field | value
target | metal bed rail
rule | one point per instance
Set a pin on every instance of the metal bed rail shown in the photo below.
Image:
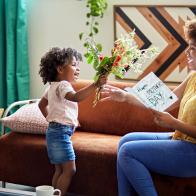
(6, 112)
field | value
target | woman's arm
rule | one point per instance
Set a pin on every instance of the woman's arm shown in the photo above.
(43, 103)
(164, 119)
(116, 94)
(186, 128)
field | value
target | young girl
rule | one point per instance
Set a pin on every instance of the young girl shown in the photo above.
(59, 67)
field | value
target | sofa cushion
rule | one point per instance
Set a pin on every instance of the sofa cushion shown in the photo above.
(112, 117)
(27, 119)
(96, 156)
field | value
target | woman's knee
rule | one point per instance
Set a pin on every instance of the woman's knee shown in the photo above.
(127, 154)
(123, 153)
(128, 138)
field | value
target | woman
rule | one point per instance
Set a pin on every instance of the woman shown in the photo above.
(172, 154)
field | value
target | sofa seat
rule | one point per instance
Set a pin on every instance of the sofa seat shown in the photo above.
(95, 154)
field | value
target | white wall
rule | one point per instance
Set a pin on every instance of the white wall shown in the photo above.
(58, 23)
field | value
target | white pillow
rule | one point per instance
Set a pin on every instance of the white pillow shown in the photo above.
(27, 119)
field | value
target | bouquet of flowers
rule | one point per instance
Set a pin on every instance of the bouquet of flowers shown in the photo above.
(125, 55)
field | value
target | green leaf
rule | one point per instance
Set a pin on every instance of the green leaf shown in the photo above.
(89, 59)
(96, 61)
(99, 47)
(96, 77)
(81, 35)
(104, 61)
(100, 69)
(86, 55)
(95, 29)
(95, 14)
(85, 44)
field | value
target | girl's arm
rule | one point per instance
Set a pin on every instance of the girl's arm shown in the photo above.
(86, 91)
(43, 103)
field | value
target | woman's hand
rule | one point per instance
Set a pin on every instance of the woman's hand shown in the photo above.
(113, 93)
(164, 119)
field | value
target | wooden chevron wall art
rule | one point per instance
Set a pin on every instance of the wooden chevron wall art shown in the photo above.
(160, 26)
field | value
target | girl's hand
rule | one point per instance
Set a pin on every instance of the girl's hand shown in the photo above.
(113, 93)
(164, 119)
(102, 80)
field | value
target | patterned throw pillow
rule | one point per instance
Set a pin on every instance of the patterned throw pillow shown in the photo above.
(27, 119)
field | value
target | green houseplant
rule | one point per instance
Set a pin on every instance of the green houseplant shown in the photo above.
(96, 9)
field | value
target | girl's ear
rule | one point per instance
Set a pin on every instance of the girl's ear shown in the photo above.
(59, 69)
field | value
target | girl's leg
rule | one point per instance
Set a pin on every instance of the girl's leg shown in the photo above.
(58, 171)
(68, 170)
(124, 186)
(168, 157)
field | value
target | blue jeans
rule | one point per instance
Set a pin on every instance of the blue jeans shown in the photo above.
(139, 153)
(59, 144)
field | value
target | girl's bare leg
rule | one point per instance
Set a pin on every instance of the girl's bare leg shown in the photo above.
(58, 172)
(68, 170)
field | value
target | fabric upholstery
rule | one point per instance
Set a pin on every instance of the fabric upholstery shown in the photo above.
(24, 158)
(121, 117)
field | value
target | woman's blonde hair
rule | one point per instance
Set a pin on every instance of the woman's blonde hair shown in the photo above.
(190, 29)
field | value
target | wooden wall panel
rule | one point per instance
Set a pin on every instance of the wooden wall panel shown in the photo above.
(160, 26)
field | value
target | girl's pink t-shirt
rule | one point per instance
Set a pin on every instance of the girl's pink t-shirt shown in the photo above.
(60, 109)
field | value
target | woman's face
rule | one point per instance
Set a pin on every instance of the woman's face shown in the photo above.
(191, 54)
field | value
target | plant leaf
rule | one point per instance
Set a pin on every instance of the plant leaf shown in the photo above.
(99, 47)
(90, 59)
(96, 77)
(104, 61)
(95, 29)
(81, 35)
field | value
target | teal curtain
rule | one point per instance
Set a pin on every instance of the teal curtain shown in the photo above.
(14, 67)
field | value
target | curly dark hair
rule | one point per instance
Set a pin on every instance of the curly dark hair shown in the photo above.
(54, 58)
(190, 29)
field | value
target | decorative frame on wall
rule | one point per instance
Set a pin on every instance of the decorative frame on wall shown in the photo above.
(160, 26)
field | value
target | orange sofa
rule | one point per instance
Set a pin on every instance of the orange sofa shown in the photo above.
(24, 158)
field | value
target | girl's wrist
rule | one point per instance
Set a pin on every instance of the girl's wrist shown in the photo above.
(96, 84)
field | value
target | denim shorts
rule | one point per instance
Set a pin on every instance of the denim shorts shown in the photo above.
(59, 144)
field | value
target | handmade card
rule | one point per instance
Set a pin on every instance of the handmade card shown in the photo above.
(152, 92)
